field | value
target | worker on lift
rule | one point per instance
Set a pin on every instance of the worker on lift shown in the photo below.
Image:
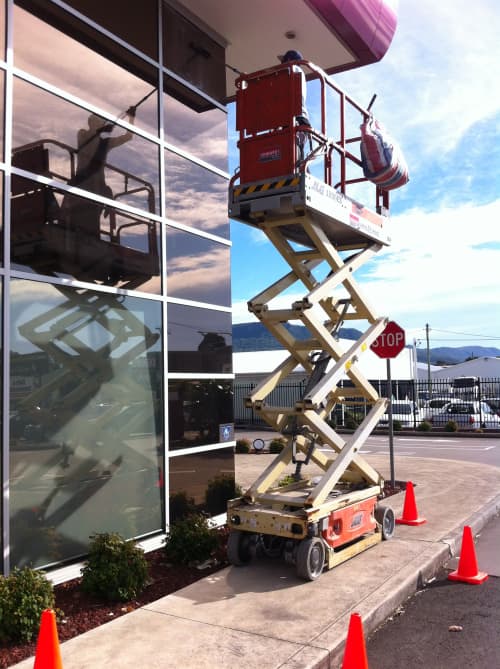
(84, 216)
(303, 119)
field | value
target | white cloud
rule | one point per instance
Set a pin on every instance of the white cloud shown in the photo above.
(438, 269)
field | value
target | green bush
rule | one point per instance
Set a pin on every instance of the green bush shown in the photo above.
(190, 540)
(24, 595)
(277, 445)
(396, 425)
(286, 480)
(116, 569)
(219, 491)
(181, 506)
(424, 426)
(350, 421)
(242, 446)
(451, 426)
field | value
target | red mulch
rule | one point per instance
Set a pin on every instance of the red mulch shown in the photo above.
(83, 612)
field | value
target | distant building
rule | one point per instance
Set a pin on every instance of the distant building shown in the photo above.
(485, 368)
(253, 366)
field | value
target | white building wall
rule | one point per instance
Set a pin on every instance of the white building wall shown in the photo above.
(253, 366)
(485, 368)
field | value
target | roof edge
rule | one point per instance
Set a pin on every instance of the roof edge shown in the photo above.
(366, 27)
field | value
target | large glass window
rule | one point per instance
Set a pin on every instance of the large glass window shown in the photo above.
(57, 233)
(2, 112)
(201, 132)
(193, 55)
(133, 22)
(196, 196)
(2, 30)
(1, 218)
(201, 480)
(198, 268)
(82, 149)
(81, 61)
(199, 340)
(199, 412)
(86, 419)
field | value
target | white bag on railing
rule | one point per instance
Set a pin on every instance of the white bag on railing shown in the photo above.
(382, 159)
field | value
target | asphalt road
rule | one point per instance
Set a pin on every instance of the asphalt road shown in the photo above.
(484, 449)
(447, 624)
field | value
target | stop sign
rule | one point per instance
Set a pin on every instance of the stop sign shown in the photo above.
(390, 342)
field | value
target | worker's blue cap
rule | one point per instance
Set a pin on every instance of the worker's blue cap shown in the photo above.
(290, 55)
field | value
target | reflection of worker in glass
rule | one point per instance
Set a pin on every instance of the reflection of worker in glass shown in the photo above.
(288, 57)
(93, 149)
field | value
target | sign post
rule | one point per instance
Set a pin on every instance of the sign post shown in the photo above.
(388, 345)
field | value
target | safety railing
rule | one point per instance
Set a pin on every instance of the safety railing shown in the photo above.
(323, 146)
(36, 157)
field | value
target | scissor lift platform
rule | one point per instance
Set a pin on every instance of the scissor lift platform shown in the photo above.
(324, 236)
(345, 222)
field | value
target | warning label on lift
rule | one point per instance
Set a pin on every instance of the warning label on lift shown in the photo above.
(326, 200)
(266, 186)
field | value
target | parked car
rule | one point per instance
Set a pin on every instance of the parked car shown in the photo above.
(405, 412)
(434, 406)
(493, 403)
(467, 415)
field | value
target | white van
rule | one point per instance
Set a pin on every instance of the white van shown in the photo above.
(405, 412)
(465, 387)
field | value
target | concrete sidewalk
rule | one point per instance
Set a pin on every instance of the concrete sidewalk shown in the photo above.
(262, 616)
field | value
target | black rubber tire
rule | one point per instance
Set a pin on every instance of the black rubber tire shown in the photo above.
(239, 547)
(270, 546)
(384, 516)
(310, 560)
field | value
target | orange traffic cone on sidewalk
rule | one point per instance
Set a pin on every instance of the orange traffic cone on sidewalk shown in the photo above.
(355, 648)
(467, 564)
(48, 655)
(410, 513)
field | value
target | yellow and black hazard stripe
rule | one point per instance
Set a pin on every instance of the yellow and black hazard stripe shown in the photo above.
(268, 185)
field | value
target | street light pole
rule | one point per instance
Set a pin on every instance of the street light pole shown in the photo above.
(429, 382)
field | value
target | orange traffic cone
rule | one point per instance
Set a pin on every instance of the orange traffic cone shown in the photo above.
(355, 649)
(410, 514)
(467, 564)
(48, 655)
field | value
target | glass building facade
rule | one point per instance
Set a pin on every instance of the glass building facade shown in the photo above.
(115, 272)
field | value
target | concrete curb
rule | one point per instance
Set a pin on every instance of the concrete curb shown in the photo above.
(476, 521)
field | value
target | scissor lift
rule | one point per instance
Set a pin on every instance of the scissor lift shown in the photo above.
(324, 236)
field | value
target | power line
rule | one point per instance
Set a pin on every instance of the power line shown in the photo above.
(466, 341)
(466, 334)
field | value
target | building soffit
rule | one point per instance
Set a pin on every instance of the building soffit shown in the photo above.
(337, 35)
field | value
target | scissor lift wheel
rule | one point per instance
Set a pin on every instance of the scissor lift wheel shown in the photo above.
(240, 547)
(310, 559)
(384, 516)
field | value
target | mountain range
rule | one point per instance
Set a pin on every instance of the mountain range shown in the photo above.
(255, 337)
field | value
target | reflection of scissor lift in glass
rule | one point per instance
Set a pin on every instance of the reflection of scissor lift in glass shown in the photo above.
(44, 234)
(319, 521)
(81, 368)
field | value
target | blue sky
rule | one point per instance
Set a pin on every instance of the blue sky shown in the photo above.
(438, 93)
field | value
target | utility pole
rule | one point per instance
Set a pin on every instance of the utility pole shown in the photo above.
(429, 382)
